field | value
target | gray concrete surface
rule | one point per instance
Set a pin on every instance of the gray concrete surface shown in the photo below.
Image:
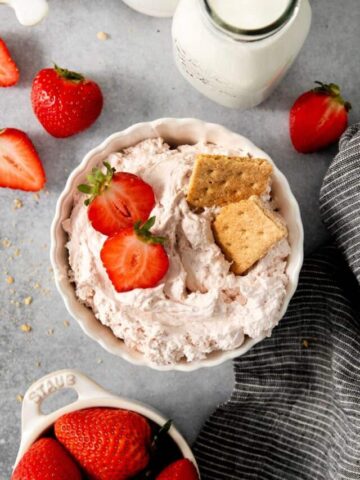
(140, 82)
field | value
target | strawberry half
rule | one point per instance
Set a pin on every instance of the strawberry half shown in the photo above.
(9, 72)
(65, 102)
(134, 258)
(20, 165)
(46, 460)
(117, 200)
(180, 470)
(318, 118)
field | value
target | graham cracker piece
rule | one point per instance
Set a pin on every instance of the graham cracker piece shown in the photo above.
(217, 180)
(246, 231)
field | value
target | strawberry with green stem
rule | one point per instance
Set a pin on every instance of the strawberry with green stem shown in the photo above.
(318, 118)
(135, 258)
(65, 102)
(116, 199)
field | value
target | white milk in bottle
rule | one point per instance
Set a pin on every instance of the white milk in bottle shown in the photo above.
(236, 51)
(28, 12)
(156, 8)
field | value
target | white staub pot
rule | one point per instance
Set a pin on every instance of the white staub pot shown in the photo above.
(28, 12)
(90, 394)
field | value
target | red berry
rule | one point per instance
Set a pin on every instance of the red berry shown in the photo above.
(180, 470)
(117, 200)
(46, 460)
(109, 444)
(9, 72)
(65, 102)
(134, 258)
(20, 165)
(318, 118)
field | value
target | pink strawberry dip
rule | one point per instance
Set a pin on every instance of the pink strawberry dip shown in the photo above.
(200, 306)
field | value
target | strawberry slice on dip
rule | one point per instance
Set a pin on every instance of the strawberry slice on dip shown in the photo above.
(318, 118)
(9, 72)
(117, 199)
(20, 165)
(135, 258)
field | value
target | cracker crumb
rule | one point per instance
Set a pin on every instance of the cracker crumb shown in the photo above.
(28, 300)
(9, 279)
(25, 327)
(38, 364)
(66, 323)
(19, 398)
(6, 243)
(305, 343)
(36, 285)
(99, 361)
(36, 196)
(17, 203)
(50, 332)
(16, 252)
(102, 36)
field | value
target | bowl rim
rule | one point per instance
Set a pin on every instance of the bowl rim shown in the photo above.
(89, 395)
(77, 310)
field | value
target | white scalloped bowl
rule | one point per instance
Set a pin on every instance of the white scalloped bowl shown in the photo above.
(34, 423)
(175, 132)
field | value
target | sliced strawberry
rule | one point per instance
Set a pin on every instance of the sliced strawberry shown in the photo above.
(117, 200)
(180, 470)
(20, 165)
(9, 72)
(134, 258)
(318, 118)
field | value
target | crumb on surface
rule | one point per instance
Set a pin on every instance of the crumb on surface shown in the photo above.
(10, 279)
(25, 327)
(17, 203)
(6, 243)
(28, 300)
(19, 397)
(50, 331)
(102, 36)
(66, 323)
(305, 343)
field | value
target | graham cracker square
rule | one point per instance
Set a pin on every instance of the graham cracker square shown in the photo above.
(217, 180)
(246, 231)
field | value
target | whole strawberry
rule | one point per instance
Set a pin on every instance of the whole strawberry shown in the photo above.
(318, 118)
(65, 102)
(109, 444)
(180, 470)
(46, 460)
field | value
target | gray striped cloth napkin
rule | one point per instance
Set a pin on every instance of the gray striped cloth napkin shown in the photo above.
(294, 413)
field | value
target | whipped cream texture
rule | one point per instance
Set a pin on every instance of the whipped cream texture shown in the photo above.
(200, 306)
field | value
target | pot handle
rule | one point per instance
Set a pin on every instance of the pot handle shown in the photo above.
(53, 382)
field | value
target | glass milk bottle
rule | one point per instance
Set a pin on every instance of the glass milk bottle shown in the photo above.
(236, 51)
(156, 8)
